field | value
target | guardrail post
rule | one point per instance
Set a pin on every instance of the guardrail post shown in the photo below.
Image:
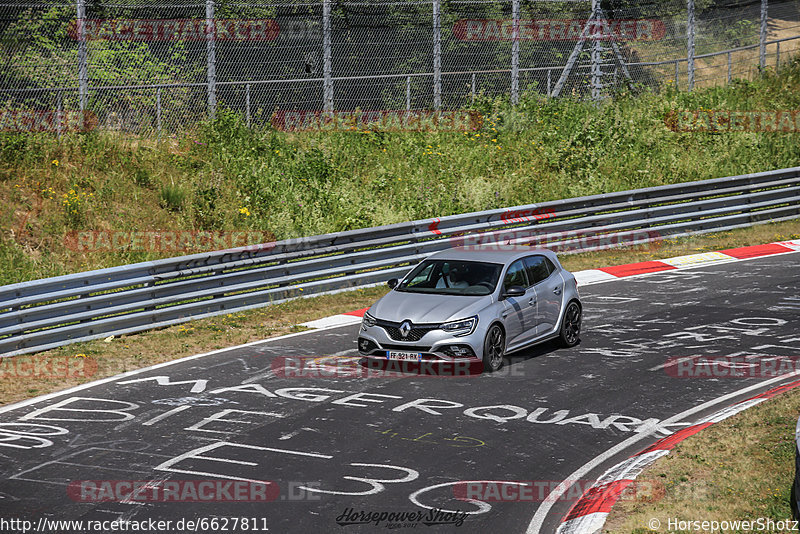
(327, 55)
(152, 296)
(247, 103)
(83, 68)
(515, 53)
(437, 57)
(211, 60)
(762, 39)
(690, 29)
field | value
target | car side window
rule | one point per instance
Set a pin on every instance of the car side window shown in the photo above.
(539, 268)
(515, 276)
(550, 266)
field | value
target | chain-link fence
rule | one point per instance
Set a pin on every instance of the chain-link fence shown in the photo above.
(145, 66)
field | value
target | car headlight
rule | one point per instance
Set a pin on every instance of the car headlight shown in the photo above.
(463, 327)
(367, 321)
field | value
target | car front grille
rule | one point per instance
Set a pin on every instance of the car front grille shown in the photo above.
(416, 333)
(408, 348)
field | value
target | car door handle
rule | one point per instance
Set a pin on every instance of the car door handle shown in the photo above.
(504, 314)
(532, 302)
(557, 291)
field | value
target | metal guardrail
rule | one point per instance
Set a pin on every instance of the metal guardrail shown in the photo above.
(52, 312)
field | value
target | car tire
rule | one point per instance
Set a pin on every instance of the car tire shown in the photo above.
(571, 325)
(494, 346)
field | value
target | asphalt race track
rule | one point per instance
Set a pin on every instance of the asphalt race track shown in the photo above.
(548, 412)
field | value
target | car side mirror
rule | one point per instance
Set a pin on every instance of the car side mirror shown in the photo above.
(514, 291)
(393, 283)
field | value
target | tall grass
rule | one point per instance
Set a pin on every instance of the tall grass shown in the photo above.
(224, 176)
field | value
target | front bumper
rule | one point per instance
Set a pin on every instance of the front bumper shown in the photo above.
(374, 342)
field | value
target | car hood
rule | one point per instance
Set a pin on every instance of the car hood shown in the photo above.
(422, 308)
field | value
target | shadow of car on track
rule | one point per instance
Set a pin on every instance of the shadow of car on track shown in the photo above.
(513, 365)
(518, 359)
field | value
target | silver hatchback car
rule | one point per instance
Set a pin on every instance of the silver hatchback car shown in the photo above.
(476, 305)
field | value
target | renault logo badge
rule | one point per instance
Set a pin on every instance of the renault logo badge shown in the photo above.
(405, 328)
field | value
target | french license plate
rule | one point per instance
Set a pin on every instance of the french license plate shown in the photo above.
(403, 356)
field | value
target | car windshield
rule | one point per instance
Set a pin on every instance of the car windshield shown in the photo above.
(452, 277)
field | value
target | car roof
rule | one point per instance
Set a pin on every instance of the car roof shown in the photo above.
(492, 253)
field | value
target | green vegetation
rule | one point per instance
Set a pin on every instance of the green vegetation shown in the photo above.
(224, 176)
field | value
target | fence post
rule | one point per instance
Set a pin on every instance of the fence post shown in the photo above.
(327, 69)
(59, 113)
(437, 57)
(690, 36)
(158, 109)
(777, 55)
(211, 60)
(408, 93)
(247, 103)
(549, 82)
(83, 69)
(596, 75)
(677, 72)
(473, 87)
(515, 53)
(762, 39)
(729, 67)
